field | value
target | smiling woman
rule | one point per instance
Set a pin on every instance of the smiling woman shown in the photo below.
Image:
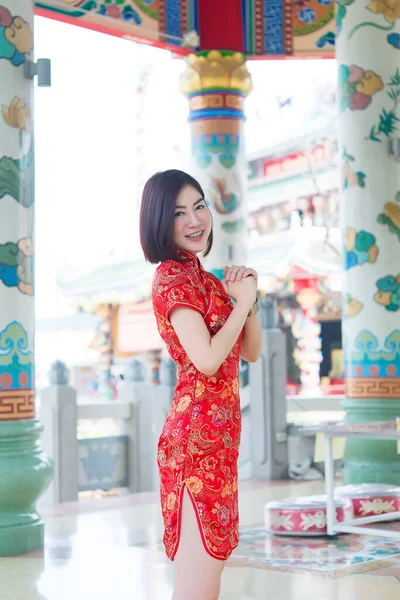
(205, 335)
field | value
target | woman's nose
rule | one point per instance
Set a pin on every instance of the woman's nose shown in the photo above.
(194, 218)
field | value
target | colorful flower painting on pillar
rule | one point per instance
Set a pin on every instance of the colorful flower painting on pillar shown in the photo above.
(360, 248)
(389, 9)
(17, 114)
(17, 177)
(391, 216)
(388, 294)
(351, 177)
(351, 306)
(16, 38)
(388, 118)
(356, 87)
(341, 11)
(16, 265)
(223, 199)
(394, 40)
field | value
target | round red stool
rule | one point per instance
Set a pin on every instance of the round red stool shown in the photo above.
(304, 516)
(371, 499)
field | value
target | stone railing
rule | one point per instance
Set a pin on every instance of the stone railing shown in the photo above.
(128, 460)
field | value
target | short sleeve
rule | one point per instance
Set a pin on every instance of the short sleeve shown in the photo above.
(172, 287)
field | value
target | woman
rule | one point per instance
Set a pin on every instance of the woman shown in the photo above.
(205, 335)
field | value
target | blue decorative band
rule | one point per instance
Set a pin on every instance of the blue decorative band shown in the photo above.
(366, 359)
(219, 113)
(16, 358)
(211, 91)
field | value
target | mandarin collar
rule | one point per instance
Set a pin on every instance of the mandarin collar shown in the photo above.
(190, 259)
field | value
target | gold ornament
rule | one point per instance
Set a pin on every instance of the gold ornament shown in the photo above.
(216, 70)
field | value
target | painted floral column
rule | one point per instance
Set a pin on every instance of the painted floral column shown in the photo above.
(368, 42)
(24, 470)
(216, 84)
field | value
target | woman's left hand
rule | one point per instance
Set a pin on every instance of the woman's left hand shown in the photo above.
(235, 273)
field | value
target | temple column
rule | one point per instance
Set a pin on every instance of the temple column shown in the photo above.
(369, 95)
(216, 84)
(24, 471)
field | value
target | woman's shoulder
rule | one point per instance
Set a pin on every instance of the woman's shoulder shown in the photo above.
(170, 270)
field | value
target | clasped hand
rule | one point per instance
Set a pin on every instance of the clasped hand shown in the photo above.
(240, 283)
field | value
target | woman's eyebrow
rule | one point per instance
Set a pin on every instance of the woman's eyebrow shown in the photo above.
(197, 202)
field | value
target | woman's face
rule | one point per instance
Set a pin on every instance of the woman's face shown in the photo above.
(192, 224)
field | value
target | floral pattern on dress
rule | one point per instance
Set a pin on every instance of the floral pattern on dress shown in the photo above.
(199, 443)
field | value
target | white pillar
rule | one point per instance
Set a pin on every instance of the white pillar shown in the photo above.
(24, 470)
(369, 112)
(17, 189)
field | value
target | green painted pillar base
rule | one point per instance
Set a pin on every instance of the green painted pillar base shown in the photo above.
(371, 461)
(25, 473)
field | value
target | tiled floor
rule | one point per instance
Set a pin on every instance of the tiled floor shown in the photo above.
(110, 549)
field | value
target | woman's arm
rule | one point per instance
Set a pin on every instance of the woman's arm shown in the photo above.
(207, 352)
(250, 346)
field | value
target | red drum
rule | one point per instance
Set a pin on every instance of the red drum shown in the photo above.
(304, 516)
(371, 499)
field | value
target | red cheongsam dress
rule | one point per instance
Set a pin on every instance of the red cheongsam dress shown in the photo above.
(199, 443)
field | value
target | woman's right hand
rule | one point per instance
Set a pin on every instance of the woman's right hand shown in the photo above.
(244, 290)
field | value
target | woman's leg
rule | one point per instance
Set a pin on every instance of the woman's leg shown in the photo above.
(197, 574)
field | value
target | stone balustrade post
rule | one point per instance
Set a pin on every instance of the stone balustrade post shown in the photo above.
(142, 452)
(58, 412)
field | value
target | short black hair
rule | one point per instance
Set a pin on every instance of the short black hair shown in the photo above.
(157, 214)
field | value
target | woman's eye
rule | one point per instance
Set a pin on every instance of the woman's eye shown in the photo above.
(178, 214)
(200, 206)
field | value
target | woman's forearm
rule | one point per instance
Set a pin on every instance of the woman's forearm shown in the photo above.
(250, 347)
(222, 343)
(207, 352)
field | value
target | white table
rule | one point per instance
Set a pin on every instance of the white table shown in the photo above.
(382, 430)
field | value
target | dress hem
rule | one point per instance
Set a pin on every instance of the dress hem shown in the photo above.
(196, 512)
